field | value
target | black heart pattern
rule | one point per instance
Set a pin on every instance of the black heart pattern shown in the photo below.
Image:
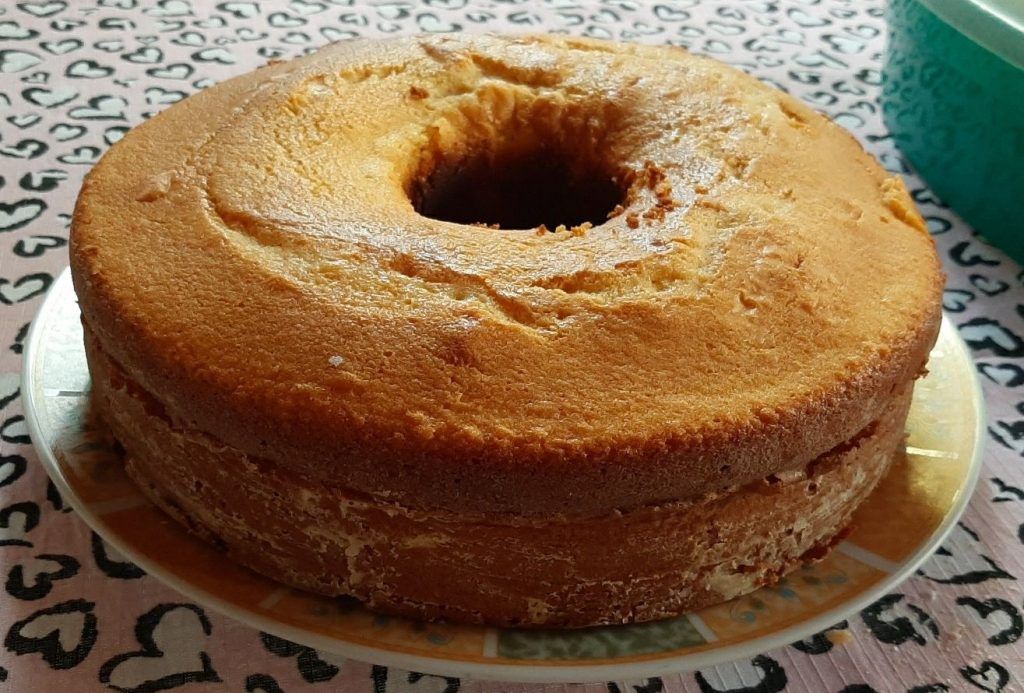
(262, 683)
(844, 44)
(158, 96)
(61, 47)
(24, 288)
(25, 120)
(334, 34)
(12, 31)
(38, 77)
(296, 38)
(21, 213)
(68, 24)
(170, 8)
(81, 155)
(1005, 374)
(16, 521)
(392, 10)
(172, 71)
(384, 681)
(241, 10)
(1000, 619)
(13, 60)
(666, 13)
(768, 673)
(988, 676)
(894, 621)
(312, 667)
(210, 23)
(19, 339)
(63, 634)
(805, 20)
(62, 132)
(1010, 434)
(189, 38)
(986, 334)
(306, 8)
(247, 34)
(971, 254)
(215, 55)
(284, 20)
(960, 561)
(43, 9)
(111, 563)
(172, 637)
(9, 389)
(25, 149)
(114, 134)
(725, 28)
(49, 98)
(654, 685)
(109, 46)
(34, 246)
(88, 69)
(146, 55)
(937, 225)
(924, 196)
(1004, 492)
(269, 52)
(14, 431)
(33, 579)
(987, 285)
(101, 108)
(54, 498)
(42, 181)
(167, 25)
(12, 467)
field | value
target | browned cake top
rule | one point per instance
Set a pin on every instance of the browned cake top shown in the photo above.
(697, 280)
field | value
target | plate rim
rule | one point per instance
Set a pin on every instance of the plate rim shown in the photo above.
(530, 671)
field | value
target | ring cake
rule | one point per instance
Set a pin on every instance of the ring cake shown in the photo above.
(532, 331)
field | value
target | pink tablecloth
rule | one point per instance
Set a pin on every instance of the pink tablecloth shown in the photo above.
(75, 75)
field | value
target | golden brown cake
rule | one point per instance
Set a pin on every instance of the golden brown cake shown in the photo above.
(536, 331)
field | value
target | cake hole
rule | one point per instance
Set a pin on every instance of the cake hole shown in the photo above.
(537, 165)
(518, 191)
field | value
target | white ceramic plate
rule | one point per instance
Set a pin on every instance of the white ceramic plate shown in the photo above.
(906, 519)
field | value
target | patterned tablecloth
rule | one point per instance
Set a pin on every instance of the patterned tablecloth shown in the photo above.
(75, 75)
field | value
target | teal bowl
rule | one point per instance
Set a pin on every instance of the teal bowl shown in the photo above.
(953, 98)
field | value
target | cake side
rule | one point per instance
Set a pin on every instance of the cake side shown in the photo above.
(556, 571)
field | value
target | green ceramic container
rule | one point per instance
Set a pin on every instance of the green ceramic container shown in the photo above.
(953, 97)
